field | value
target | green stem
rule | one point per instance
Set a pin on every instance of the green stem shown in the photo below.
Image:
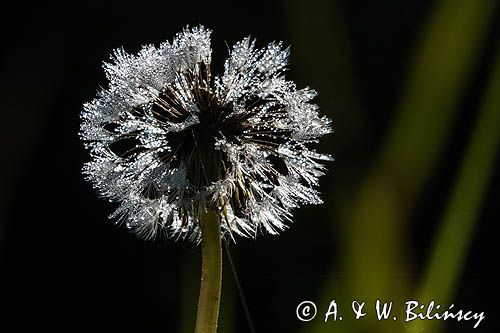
(211, 274)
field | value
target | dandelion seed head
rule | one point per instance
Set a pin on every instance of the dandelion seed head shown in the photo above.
(168, 139)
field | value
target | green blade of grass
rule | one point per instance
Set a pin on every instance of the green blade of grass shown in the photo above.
(456, 230)
(374, 222)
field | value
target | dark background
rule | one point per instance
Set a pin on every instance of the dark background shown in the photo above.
(65, 268)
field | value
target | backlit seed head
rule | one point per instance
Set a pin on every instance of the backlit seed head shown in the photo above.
(168, 139)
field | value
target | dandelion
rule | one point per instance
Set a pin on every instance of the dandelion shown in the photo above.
(176, 145)
(169, 140)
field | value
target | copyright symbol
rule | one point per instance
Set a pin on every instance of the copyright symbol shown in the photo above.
(306, 311)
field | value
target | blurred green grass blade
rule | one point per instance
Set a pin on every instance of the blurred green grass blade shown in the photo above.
(446, 55)
(456, 230)
(374, 223)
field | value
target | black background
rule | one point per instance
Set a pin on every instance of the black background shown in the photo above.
(66, 268)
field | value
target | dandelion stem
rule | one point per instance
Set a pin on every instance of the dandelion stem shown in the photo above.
(211, 274)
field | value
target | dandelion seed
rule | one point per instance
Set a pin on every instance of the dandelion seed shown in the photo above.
(169, 140)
